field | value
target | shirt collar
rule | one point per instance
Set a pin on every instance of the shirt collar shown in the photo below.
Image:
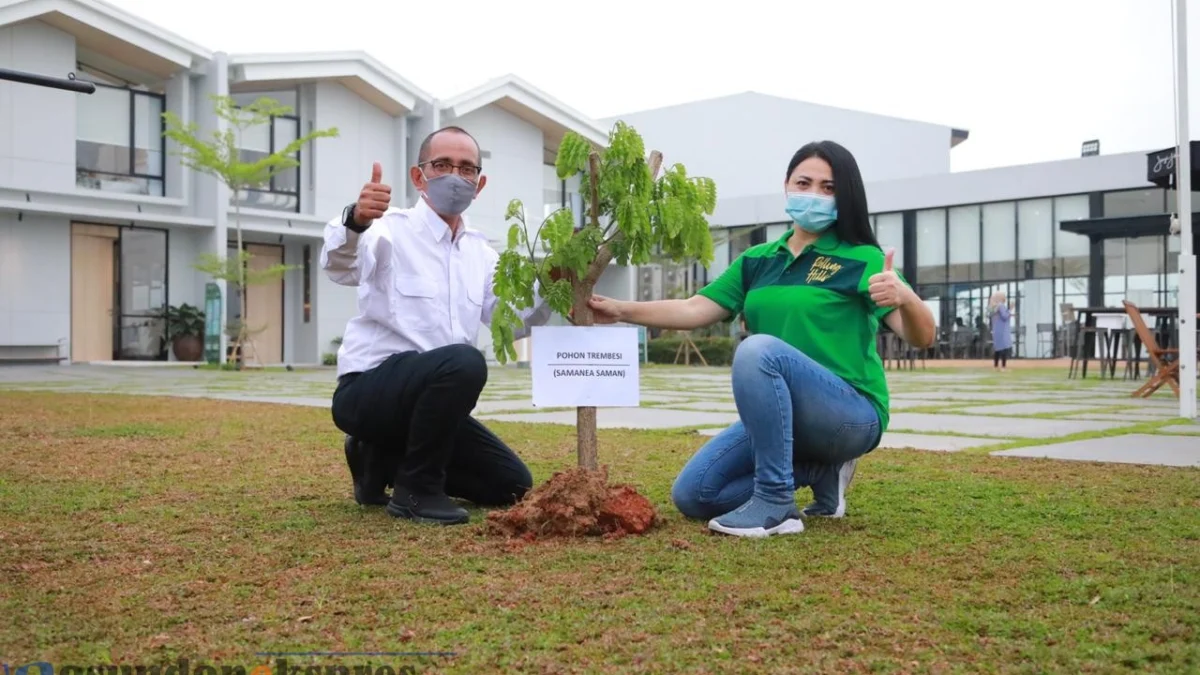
(438, 227)
(828, 241)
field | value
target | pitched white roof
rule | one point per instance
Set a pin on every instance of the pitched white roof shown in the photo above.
(111, 32)
(357, 71)
(531, 104)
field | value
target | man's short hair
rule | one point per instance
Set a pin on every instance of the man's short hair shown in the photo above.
(423, 153)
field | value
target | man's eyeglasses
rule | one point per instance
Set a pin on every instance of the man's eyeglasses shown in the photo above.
(441, 167)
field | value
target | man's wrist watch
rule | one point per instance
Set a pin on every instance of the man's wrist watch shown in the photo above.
(348, 220)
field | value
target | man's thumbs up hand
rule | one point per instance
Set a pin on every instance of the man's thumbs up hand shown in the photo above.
(374, 199)
(886, 288)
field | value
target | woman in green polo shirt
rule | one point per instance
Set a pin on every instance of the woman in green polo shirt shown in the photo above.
(808, 383)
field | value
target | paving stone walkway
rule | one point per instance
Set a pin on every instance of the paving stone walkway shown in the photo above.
(1036, 413)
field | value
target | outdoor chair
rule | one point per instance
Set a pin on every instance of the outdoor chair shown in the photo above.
(1080, 354)
(1165, 361)
(1045, 334)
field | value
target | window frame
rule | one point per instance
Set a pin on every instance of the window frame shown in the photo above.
(132, 114)
(271, 189)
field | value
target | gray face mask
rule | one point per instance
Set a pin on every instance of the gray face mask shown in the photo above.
(449, 195)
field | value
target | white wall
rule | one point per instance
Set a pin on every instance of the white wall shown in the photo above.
(35, 281)
(744, 141)
(37, 124)
(514, 170)
(177, 177)
(366, 135)
(334, 306)
(1026, 181)
(618, 282)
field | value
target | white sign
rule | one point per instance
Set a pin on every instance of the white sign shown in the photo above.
(585, 366)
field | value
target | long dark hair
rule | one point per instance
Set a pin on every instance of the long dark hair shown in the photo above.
(854, 221)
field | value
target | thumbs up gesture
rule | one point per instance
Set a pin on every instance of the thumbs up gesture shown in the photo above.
(886, 288)
(373, 200)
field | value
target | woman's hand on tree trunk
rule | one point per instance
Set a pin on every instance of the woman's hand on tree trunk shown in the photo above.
(605, 310)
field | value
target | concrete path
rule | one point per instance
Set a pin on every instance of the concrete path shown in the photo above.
(1023, 413)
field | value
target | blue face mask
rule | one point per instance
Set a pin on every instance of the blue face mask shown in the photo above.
(813, 213)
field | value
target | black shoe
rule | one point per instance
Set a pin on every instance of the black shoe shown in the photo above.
(435, 509)
(368, 484)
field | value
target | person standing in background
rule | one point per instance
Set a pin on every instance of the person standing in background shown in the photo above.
(1001, 318)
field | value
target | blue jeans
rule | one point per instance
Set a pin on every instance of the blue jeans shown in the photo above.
(799, 423)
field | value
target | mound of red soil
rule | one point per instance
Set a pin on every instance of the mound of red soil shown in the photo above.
(576, 503)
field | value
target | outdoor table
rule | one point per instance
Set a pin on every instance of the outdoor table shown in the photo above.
(1166, 318)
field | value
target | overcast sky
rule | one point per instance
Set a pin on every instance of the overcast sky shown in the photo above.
(1030, 79)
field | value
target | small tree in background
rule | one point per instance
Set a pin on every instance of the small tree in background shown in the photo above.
(220, 156)
(633, 216)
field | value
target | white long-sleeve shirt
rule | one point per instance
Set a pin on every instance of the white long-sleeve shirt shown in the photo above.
(418, 287)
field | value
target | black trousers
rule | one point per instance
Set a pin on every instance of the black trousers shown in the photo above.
(1001, 357)
(414, 411)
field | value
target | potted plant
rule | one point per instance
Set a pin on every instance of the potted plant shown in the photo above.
(185, 331)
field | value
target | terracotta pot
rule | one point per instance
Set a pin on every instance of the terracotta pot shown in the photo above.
(188, 347)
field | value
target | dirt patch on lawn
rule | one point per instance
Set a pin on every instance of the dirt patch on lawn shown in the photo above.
(576, 503)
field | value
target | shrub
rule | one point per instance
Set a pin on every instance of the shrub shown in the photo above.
(718, 351)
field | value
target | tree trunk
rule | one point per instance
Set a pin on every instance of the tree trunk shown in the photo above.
(585, 417)
(239, 347)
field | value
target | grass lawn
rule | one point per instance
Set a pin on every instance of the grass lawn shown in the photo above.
(139, 529)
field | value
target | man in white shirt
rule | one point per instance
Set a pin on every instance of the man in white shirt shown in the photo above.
(409, 373)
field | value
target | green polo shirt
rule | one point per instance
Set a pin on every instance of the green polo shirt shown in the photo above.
(817, 302)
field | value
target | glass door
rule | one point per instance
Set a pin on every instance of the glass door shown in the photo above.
(143, 284)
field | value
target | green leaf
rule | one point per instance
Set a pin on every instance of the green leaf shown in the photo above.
(639, 219)
(572, 155)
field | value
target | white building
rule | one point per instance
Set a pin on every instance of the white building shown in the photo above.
(100, 225)
(1084, 232)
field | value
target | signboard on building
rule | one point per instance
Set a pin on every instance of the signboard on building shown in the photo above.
(1161, 165)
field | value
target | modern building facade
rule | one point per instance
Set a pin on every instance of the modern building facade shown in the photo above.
(959, 236)
(101, 225)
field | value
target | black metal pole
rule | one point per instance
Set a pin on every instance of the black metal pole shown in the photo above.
(70, 84)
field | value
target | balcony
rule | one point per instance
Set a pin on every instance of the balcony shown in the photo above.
(119, 144)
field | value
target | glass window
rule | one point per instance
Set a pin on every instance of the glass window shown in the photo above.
(1173, 206)
(119, 141)
(1134, 203)
(1114, 272)
(1072, 251)
(1035, 237)
(286, 131)
(147, 135)
(964, 243)
(742, 238)
(889, 231)
(282, 191)
(1068, 244)
(931, 246)
(999, 241)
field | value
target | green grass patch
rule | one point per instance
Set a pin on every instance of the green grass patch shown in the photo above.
(144, 529)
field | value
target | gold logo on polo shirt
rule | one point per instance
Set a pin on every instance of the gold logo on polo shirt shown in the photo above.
(823, 269)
